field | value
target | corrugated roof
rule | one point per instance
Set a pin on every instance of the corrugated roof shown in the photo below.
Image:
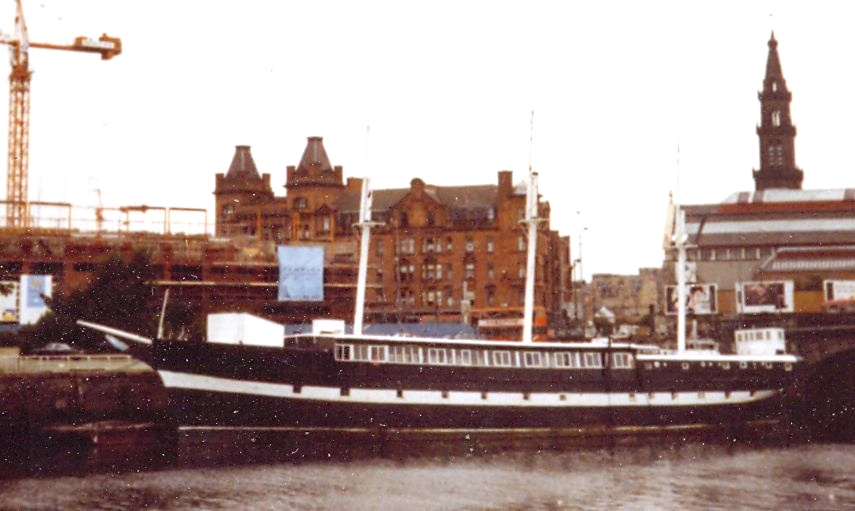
(779, 195)
(776, 217)
(811, 259)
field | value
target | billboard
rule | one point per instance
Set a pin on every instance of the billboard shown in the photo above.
(34, 289)
(700, 299)
(838, 290)
(301, 274)
(9, 301)
(764, 296)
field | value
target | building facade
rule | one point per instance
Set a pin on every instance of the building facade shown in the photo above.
(779, 252)
(630, 298)
(438, 251)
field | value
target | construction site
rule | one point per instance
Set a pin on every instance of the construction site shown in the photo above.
(68, 241)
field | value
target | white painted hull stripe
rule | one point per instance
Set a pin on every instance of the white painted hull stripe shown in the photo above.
(187, 381)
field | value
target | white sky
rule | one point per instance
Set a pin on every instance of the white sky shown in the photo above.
(447, 87)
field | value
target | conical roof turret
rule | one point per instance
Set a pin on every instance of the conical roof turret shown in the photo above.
(242, 166)
(315, 157)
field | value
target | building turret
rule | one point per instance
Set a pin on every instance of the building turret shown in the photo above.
(776, 131)
(240, 186)
(314, 182)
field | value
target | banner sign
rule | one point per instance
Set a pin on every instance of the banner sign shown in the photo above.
(700, 299)
(301, 274)
(34, 288)
(759, 297)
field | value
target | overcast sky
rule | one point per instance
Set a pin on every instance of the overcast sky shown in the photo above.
(447, 87)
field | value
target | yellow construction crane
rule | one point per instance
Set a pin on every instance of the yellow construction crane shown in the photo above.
(17, 202)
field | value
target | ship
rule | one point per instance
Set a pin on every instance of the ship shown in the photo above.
(332, 378)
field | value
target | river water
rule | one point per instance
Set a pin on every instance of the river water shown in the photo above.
(684, 476)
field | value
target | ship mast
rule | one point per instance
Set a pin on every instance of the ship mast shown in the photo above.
(680, 242)
(680, 238)
(365, 224)
(531, 221)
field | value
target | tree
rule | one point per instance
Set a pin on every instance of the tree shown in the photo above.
(120, 295)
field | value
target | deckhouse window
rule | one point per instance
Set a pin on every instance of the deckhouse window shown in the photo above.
(465, 358)
(343, 351)
(622, 360)
(404, 354)
(377, 353)
(437, 356)
(360, 352)
(566, 359)
(533, 359)
(502, 358)
(593, 360)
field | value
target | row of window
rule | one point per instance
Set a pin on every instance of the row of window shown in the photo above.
(433, 297)
(407, 246)
(408, 354)
(437, 271)
(729, 254)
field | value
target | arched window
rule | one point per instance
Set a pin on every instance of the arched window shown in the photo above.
(776, 118)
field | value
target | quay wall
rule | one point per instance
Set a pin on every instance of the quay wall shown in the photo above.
(81, 411)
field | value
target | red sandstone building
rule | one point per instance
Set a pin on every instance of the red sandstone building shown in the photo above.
(440, 251)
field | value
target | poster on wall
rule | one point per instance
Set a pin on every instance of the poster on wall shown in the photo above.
(700, 299)
(764, 296)
(8, 301)
(838, 290)
(301, 274)
(34, 289)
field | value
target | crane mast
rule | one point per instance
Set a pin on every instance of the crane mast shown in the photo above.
(17, 202)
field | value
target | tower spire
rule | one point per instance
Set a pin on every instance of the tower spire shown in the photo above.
(776, 131)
